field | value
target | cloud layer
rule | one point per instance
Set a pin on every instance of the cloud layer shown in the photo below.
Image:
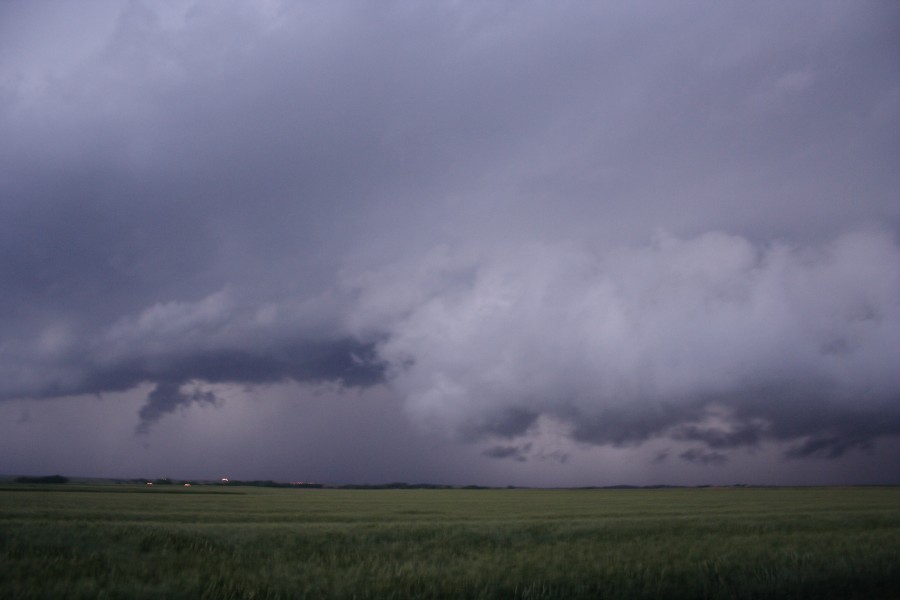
(772, 341)
(632, 222)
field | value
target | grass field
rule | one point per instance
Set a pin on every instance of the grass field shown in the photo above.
(121, 541)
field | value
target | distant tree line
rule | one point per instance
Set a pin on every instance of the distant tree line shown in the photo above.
(229, 483)
(397, 485)
(43, 479)
(269, 483)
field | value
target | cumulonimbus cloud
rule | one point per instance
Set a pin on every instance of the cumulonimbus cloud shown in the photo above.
(452, 202)
(712, 339)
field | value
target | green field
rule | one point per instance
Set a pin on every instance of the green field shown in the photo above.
(119, 541)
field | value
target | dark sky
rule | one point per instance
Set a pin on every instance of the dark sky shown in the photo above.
(530, 243)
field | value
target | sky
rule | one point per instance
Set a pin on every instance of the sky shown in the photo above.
(501, 243)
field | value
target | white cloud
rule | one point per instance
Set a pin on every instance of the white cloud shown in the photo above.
(652, 336)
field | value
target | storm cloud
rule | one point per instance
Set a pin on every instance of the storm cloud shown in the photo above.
(620, 223)
(711, 339)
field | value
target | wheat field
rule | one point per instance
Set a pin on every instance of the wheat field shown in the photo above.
(126, 541)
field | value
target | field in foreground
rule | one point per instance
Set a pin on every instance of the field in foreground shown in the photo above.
(131, 542)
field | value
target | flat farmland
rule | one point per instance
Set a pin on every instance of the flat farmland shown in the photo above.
(121, 541)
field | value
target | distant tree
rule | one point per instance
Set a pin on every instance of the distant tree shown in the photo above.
(43, 479)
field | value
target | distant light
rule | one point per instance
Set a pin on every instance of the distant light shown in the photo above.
(187, 485)
(225, 479)
(149, 483)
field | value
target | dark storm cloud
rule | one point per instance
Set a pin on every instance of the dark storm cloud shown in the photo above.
(213, 340)
(167, 397)
(749, 434)
(517, 453)
(345, 361)
(703, 457)
(457, 198)
(828, 447)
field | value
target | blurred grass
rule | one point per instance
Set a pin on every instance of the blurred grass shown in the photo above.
(133, 542)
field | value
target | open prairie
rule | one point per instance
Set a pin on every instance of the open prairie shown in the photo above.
(123, 541)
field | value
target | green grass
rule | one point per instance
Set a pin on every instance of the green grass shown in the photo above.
(132, 542)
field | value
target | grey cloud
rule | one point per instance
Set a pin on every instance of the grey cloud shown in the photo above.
(523, 453)
(662, 456)
(456, 199)
(703, 457)
(827, 447)
(554, 456)
(517, 453)
(628, 425)
(166, 397)
(345, 361)
(504, 422)
(748, 434)
(401, 113)
(216, 340)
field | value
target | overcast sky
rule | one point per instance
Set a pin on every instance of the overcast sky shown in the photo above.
(529, 243)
